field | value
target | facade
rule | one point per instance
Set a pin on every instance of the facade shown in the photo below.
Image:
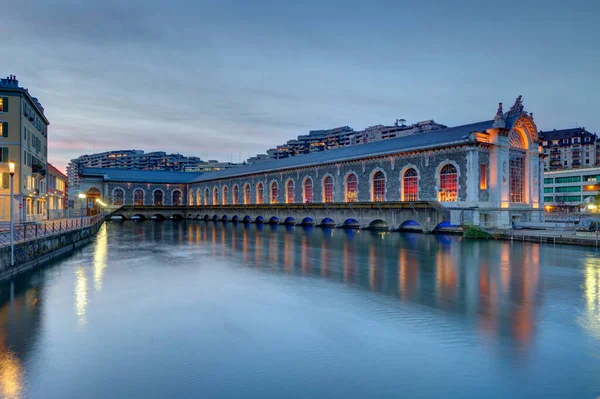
(570, 149)
(23, 140)
(569, 190)
(324, 140)
(210, 166)
(486, 174)
(57, 193)
(132, 160)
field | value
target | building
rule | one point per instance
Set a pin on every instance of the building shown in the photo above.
(569, 190)
(485, 174)
(210, 166)
(57, 193)
(324, 140)
(23, 140)
(570, 149)
(129, 159)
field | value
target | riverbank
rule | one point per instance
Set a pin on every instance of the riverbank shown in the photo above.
(38, 251)
(563, 237)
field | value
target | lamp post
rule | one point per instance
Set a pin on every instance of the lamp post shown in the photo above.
(11, 171)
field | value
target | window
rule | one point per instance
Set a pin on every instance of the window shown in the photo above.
(568, 198)
(591, 187)
(236, 192)
(548, 199)
(247, 194)
(289, 192)
(483, 177)
(328, 189)
(448, 184)
(158, 197)
(215, 197)
(548, 181)
(378, 187)
(117, 197)
(592, 178)
(3, 104)
(410, 185)
(274, 192)
(351, 188)
(260, 195)
(548, 190)
(570, 179)
(308, 190)
(138, 197)
(4, 129)
(224, 195)
(206, 196)
(3, 154)
(516, 173)
(198, 197)
(568, 189)
(176, 198)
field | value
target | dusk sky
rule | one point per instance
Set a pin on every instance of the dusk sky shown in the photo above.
(216, 79)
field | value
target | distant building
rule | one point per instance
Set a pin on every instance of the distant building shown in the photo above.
(323, 140)
(210, 166)
(569, 190)
(570, 149)
(57, 193)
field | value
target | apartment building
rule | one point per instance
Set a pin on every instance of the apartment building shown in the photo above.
(570, 149)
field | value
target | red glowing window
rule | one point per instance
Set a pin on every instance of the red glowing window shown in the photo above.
(224, 195)
(206, 196)
(234, 199)
(176, 198)
(274, 192)
(410, 185)
(138, 197)
(260, 196)
(289, 192)
(351, 188)
(448, 184)
(378, 185)
(247, 194)
(308, 190)
(328, 189)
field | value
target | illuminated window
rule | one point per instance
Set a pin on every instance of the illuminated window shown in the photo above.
(308, 190)
(215, 196)
(198, 197)
(191, 198)
(260, 195)
(328, 189)
(224, 195)
(289, 192)
(591, 187)
(410, 185)
(482, 177)
(138, 197)
(3, 129)
(448, 184)
(247, 194)
(3, 104)
(158, 197)
(351, 188)
(378, 187)
(206, 196)
(176, 198)
(274, 192)
(117, 197)
(236, 192)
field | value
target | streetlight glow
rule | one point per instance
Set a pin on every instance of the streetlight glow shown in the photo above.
(11, 168)
(81, 196)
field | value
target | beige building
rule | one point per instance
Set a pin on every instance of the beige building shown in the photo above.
(56, 200)
(23, 140)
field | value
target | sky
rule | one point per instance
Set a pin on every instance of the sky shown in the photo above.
(229, 79)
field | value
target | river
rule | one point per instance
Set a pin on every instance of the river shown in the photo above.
(194, 309)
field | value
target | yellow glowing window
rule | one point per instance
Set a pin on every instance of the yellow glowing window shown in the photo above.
(482, 177)
(1, 104)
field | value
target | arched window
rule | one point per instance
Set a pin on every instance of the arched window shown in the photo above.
(378, 187)
(215, 196)
(138, 197)
(225, 192)
(351, 188)
(236, 192)
(260, 195)
(274, 192)
(517, 166)
(118, 196)
(307, 190)
(247, 194)
(176, 198)
(289, 192)
(206, 196)
(410, 185)
(191, 198)
(448, 184)
(328, 189)
(198, 197)
(158, 197)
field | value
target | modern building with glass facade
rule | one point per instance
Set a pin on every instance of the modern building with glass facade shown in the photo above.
(569, 190)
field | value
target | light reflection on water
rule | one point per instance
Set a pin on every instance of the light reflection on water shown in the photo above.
(439, 316)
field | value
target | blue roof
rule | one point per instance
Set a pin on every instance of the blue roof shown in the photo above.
(140, 176)
(433, 139)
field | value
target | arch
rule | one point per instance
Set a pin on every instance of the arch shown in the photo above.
(246, 194)
(215, 196)
(351, 187)
(328, 187)
(307, 221)
(260, 193)
(235, 194)
(378, 185)
(410, 225)
(259, 220)
(289, 192)
(177, 216)
(224, 218)
(224, 192)
(158, 216)
(247, 219)
(327, 222)
(351, 224)
(198, 197)
(410, 184)
(206, 195)
(176, 197)
(445, 225)
(158, 196)
(274, 220)
(289, 221)
(206, 218)
(518, 140)
(517, 165)
(307, 190)
(274, 192)
(138, 197)
(118, 196)
(191, 199)
(448, 183)
(378, 225)
(93, 192)
(215, 218)
(138, 216)
(235, 219)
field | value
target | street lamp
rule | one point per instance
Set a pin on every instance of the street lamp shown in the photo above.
(11, 171)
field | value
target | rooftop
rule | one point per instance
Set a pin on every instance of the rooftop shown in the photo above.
(140, 176)
(564, 133)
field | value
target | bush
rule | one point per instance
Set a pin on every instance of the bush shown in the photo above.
(476, 233)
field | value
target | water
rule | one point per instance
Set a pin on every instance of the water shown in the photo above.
(189, 310)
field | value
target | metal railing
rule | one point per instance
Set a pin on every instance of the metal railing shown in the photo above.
(32, 231)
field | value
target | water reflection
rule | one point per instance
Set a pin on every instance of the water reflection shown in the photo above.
(100, 255)
(591, 321)
(81, 295)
